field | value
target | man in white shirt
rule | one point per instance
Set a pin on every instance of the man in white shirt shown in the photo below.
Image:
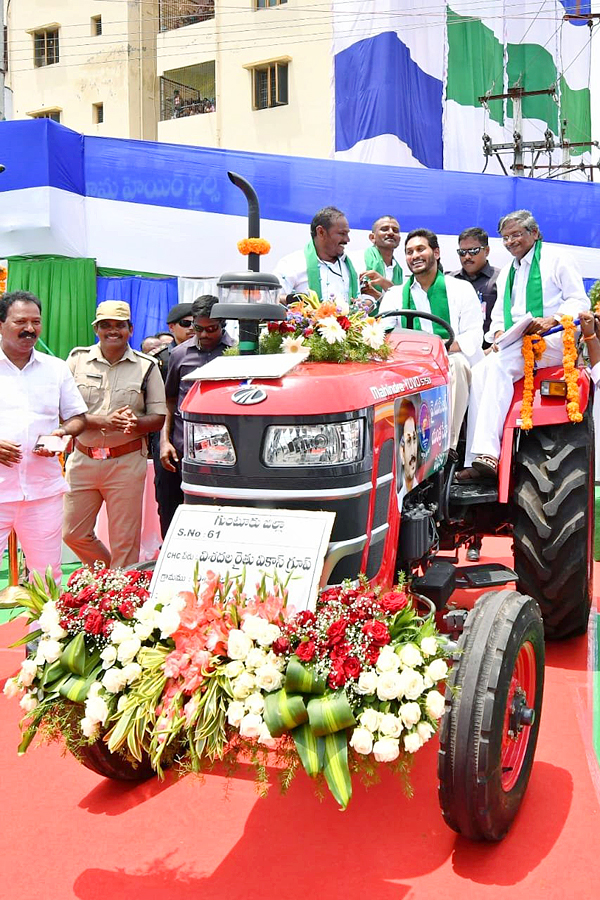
(429, 290)
(38, 392)
(322, 266)
(542, 283)
(382, 268)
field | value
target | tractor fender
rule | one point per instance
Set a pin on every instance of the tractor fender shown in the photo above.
(546, 411)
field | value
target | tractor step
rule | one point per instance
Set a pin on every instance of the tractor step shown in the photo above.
(472, 492)
(484, 575)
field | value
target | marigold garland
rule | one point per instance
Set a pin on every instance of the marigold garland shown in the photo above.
(532, 350)
(253, 245)
(571, 373)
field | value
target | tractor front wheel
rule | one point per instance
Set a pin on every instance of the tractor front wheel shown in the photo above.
(492, 717)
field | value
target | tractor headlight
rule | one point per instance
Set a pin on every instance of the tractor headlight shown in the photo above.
(325, 444)
(209, 444)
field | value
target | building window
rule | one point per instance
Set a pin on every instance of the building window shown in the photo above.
(269, 85)
(179, 13)
(98, 113)
(53, 114)
(96, 26)
(45, 47)
(263, 4)
(189, 91)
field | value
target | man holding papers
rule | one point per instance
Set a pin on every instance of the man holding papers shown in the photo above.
(540, 284)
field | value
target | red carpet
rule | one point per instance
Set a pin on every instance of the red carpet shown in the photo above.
(69, 834)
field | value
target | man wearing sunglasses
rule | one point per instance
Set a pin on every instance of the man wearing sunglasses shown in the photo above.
(473, 252)
(209, 341)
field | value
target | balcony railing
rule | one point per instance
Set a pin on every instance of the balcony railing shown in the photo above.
(178, 13)
(178, 100)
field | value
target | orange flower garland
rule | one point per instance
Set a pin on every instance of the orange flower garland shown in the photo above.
(532, 350)
(571, 373)
(253, 245)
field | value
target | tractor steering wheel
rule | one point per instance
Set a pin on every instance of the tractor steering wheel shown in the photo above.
(417, 314)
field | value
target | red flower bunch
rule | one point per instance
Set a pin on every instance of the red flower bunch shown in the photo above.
(97, 598)
(345, 634)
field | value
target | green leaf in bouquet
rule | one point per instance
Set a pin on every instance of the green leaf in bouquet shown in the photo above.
(73, 657)
(335, 767)
(52, 672)
(302, 680)
(330, 713)
(311, 749)
(283, 712)
(35, 719)
(76, 687)
(27, 638)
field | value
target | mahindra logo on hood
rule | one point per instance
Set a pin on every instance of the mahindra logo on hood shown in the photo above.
(248, 396)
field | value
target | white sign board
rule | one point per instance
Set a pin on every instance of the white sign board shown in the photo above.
(228, 539)
(234, 368)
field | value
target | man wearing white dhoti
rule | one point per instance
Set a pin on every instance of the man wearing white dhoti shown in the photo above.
(542, 283)
(454, 301)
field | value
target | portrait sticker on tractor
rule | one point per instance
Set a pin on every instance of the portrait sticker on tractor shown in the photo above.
(422, 427)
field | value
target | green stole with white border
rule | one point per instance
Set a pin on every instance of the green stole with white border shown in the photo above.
(438, 303)
(313, 273)
(534, 295)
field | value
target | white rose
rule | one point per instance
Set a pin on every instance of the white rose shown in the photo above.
(255, 703)
(269, 635)
(168, 620)
(410, 713)
(412, 742)
(128, 649)
(251, 726)
(49, 616)
(410, 656)
(386, 749)
(390, 725)
(362, 741)
(425, 731)
(234, 668)
(273, 659)
(411, 684)
(131, 672)
(256, 658)
(436, 670)
(389, 686)
(96, 709)
(367, 683)
(429, 646)
(95, 689)
(120, 632)
(434, 704)
(12, 687)
(268, 678)
(28, 702)
(266, 738)
(108, 656)
(243, 686)
(369, 719)
(28, 672)
(387, 661)
(112, 680)
(239, 644)
(235, 713)
(49, 650)
(143, 630)
(89, 729)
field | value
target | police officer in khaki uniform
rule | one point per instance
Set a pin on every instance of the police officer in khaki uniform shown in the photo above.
(126, 400)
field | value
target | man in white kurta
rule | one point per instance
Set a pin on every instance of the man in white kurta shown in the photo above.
(422, 257)
(562, 293)
(38, 392)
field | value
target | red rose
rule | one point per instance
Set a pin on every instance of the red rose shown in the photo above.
(305, 651)
(336, 632)
(378, 632)
(280, 646)
(272, 326)
(74, 576)
(330, 594)
(340, 651)
(352, 667)
(308, 332)
(105, 604)
(127, 609)
(304, 618)
(337, 677)
(372, 655)
(94, 622)
(108, 627)
(345, 322)
(393, 601)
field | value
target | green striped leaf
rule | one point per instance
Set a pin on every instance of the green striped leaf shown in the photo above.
(330, 714)
(73, 656)
(302, 680)
(311, 749)
(76, 687)
(335, 767)
(283, 712)
(27, 638)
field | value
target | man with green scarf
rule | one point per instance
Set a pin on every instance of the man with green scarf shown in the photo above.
(322, 266)
(454, 301)
(382, 268)
(538, 282)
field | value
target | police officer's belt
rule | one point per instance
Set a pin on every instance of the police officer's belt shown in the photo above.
(110, 452)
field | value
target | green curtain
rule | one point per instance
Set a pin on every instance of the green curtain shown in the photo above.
(67, 289)
(106, 272)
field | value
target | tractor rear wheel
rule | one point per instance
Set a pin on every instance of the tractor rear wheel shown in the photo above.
(553, 523)
(490, 726)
